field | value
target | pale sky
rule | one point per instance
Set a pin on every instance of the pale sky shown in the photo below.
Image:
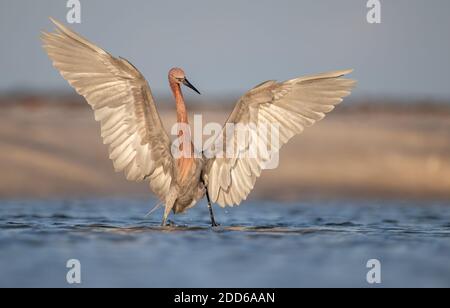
(230, 46)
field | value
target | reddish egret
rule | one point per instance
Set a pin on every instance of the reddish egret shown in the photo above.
(139, 145)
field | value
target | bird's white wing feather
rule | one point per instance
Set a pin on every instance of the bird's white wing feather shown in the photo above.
(122, 102)
(291, 105)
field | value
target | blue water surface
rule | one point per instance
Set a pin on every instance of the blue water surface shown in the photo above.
(259, 244)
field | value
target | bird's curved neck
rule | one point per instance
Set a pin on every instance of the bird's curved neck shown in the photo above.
(185, 162)
(179, 100)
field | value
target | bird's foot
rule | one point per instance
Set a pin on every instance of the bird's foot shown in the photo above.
(168, 223)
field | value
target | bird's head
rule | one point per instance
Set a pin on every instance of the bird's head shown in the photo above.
(176, 75)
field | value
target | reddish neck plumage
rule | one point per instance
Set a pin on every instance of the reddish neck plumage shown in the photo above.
(179, 100)
(185, 161)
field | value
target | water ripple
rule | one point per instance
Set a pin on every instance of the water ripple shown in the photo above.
(258, 244)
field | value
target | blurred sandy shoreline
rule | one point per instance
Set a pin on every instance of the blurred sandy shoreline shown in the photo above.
(55, 150)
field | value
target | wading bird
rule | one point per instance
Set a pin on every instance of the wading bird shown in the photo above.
(141, 148)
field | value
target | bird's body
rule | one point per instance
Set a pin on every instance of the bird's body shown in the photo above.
(189, 186)
(140, 147)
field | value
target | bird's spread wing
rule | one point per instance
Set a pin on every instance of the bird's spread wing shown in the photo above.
(291, 106)
(123, 104)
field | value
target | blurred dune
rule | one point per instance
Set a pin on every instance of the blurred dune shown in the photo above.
(53, 149)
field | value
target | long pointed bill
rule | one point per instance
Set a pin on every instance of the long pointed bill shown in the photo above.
(189, 85)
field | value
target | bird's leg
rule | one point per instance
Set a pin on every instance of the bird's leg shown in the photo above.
(170, 202)
(166, 215)
(211, 213)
